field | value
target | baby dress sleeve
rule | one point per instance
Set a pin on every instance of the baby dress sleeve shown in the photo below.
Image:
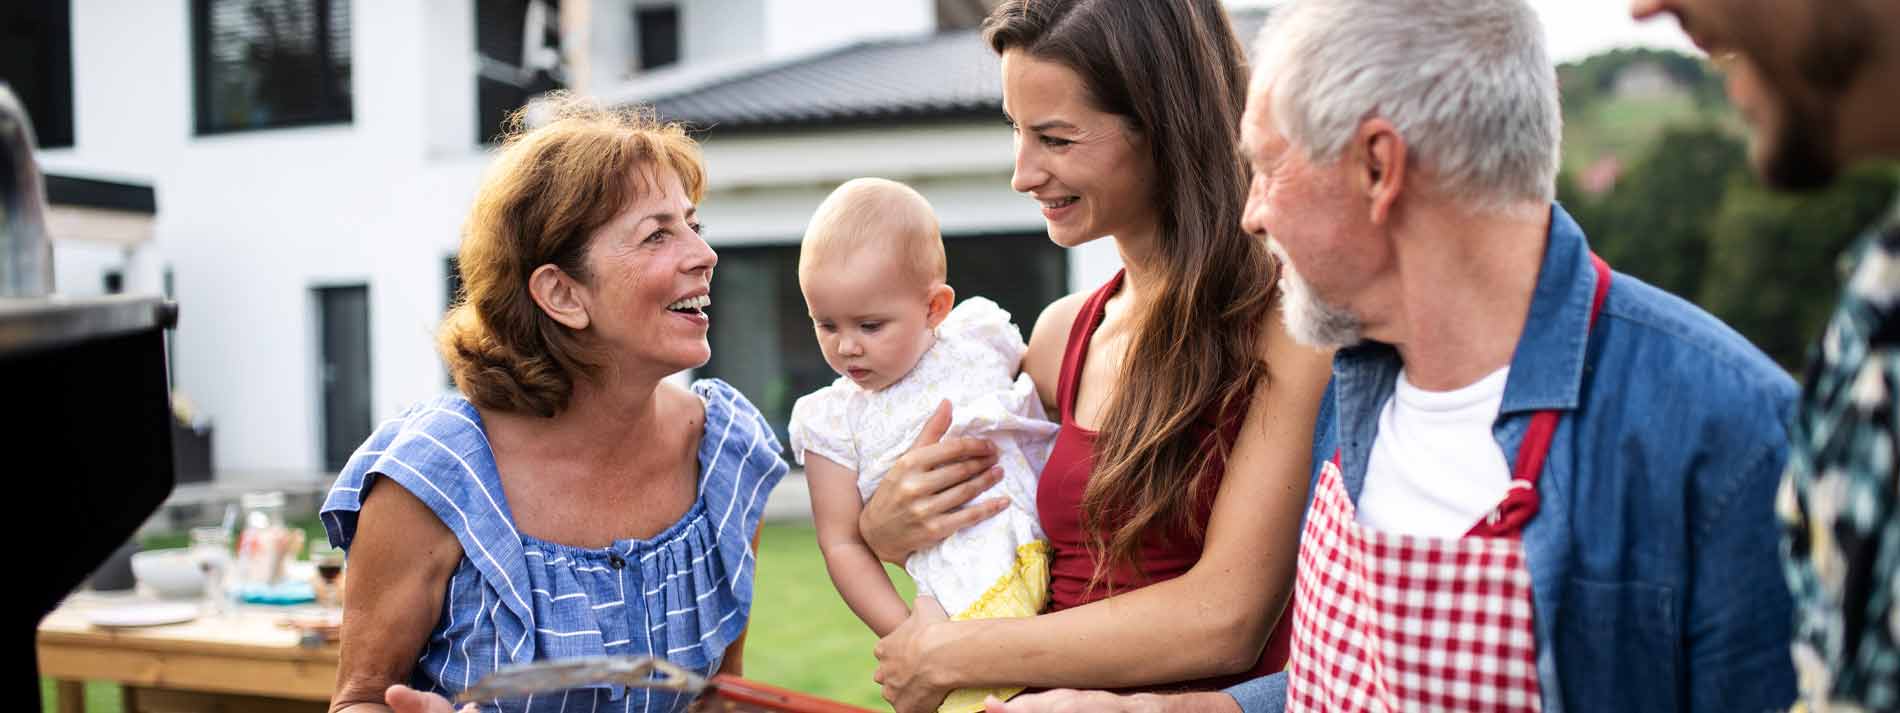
(821, 424)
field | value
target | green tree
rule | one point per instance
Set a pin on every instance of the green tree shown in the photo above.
(1655, 224)
(1774, 263)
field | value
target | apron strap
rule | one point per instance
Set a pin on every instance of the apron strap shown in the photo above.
(1521, 501)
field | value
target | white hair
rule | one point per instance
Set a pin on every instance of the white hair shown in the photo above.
(1468, 84)
(1313, 321)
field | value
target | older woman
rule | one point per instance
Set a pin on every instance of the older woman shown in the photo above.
(568, 501)
(1172, 500)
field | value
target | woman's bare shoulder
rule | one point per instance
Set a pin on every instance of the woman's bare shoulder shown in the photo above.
(1051, 332)
(680, 405)
(1047, 342)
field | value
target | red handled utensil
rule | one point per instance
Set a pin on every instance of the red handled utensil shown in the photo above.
(721, 692)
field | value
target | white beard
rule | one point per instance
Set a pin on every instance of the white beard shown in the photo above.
(1311, 320)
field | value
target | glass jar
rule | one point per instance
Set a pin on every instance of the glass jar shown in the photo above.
(264, 543)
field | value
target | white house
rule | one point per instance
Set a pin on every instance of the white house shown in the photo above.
(312, 162)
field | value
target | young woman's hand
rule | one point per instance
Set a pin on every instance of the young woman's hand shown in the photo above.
(921, 500)
(902, 667)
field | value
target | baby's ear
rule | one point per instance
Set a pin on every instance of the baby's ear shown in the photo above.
(942, 298)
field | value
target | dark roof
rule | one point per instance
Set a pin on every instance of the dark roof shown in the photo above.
(947, 75)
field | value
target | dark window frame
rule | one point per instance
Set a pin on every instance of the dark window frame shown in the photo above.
(338, 109)
(39, 34)
(648, 58)
(499, 29)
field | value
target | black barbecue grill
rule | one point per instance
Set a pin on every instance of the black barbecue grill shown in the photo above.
(87, 417)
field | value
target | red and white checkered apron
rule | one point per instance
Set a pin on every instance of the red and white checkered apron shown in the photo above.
(1389, 622)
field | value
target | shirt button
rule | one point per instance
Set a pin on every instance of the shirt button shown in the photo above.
(616, 561)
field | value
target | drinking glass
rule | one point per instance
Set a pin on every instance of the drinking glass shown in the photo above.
(211, 547)
(329, 562)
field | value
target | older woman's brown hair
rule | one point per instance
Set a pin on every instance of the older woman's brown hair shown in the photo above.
(550, 188)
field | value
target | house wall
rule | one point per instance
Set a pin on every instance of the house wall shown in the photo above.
(797, 26)
(249, 223)
(764, 186)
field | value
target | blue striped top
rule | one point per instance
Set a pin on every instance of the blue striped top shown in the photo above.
(684, 594)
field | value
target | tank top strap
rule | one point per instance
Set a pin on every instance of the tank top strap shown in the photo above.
(1086, 321)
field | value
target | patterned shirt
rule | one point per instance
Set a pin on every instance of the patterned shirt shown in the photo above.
(684, 594)
(1841, 532)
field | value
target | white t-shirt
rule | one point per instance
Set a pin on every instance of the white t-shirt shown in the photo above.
(1435, 467)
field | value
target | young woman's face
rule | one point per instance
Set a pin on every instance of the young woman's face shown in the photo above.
(650, 278)
(1091, 174)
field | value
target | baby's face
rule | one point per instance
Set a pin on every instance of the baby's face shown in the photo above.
(872, 319)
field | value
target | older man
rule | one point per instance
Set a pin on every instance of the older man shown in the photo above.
(1552, 483)
(1816, 81)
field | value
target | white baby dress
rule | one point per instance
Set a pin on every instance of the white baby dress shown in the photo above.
(999, 566)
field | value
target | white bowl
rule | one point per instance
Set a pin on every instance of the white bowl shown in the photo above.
(172, 574)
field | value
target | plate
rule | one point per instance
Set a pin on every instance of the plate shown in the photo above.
(132, 615)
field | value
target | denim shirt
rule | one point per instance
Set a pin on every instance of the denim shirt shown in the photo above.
(1654, 564)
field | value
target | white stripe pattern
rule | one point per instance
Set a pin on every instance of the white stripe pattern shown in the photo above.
(686, 586)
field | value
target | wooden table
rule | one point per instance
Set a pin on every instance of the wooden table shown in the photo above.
(241, 661)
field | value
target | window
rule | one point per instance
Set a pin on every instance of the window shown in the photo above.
(762, 341)
(518, 56)
(453, 270)
(36, 60)
(263, 64)
(659, 29)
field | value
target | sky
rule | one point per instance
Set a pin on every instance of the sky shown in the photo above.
(1580, 28)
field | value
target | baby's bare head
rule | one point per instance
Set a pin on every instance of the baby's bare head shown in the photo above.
(868, 217)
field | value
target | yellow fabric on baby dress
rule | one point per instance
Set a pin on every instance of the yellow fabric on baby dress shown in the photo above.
(1021, 592)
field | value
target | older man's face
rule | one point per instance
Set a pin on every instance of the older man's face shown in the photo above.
(1309, 216)
(1790, 64)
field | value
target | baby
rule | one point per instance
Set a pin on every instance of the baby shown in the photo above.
(872, 270)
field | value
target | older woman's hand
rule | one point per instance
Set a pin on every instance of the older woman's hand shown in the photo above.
(922, 498)
(403, 699)
(901, 660)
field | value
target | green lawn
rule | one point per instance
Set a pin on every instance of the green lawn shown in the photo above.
(803, 637)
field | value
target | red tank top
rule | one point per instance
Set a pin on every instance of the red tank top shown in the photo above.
(1059, 501)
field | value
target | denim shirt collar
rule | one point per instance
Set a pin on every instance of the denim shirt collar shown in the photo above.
(1547, 369)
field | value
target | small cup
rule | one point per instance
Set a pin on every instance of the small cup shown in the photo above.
(329, 561)
(211, 547)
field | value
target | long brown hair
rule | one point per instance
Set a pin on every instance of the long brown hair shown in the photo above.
(548, 190)
(1175, 72)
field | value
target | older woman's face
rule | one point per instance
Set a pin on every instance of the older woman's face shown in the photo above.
(1091, 175)
(650, 279)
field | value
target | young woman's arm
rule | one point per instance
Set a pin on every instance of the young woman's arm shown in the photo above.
(1212, 620)
(855, 570)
